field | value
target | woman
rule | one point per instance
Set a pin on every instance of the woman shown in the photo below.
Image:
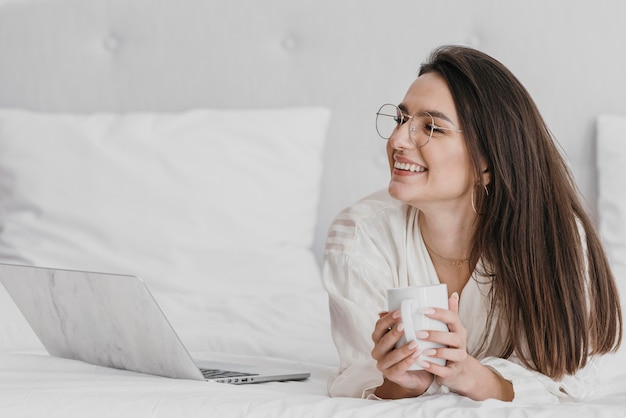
(479, 199)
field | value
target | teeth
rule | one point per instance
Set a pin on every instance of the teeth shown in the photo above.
(408, 167)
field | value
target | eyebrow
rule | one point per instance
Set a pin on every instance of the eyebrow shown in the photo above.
(434, 113)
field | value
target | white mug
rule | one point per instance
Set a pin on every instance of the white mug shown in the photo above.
(411, 301)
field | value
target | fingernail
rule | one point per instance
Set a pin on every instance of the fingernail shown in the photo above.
(430, 352)
(416, 354)
(400, 327)
(412, 345)
(421, 335)
(396, 314)
(427, 311)
(455, 295)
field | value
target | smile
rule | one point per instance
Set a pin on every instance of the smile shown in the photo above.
(408, 167)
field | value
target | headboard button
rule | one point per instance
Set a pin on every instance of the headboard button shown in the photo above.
(111, 43)
(289, 43)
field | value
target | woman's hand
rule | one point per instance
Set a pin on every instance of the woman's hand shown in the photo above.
(395, 362)
(462, 373)
(458, 362)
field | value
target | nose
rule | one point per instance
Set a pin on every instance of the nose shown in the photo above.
(401, 138)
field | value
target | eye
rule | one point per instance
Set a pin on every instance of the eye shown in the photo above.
(429, 126)
(400, 118)
(435, 128)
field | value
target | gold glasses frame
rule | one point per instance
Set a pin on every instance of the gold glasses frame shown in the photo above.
(399, 117)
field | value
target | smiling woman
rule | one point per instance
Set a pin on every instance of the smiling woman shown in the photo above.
(479, 199)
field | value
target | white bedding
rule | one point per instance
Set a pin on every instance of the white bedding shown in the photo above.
(35, 386)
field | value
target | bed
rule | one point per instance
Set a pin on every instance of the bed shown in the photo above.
(205, 146)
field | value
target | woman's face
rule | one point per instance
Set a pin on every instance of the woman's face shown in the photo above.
(438, 175)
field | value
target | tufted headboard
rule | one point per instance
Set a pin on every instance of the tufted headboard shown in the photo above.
(350, 56)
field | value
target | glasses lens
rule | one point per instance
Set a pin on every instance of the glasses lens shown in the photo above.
(388, 118)
(421, 128)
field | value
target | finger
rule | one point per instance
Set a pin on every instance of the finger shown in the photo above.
(384, 325)
(453, 303)
(401, 358)
(448, 317)
(436, 369)
(448, 354)
(388, 341)
(449, 339)
(451, 356)
(400, 371)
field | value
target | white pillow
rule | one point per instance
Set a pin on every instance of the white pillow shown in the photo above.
(611, 160)
(205, 201)
(611, 154)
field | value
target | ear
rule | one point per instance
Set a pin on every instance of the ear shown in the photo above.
(485, 172)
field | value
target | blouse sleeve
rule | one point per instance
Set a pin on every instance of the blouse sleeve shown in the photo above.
(531, 387)
(356, 294)
(360, 263)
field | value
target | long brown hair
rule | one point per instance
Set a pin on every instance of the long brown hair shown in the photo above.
(553, 295)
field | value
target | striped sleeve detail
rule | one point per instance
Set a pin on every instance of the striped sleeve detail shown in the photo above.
(341, 234)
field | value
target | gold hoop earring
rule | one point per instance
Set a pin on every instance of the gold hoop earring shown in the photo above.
(472, 199)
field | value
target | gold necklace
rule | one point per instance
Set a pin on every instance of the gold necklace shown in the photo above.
(457, 263)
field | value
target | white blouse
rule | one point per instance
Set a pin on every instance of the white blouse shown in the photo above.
(376, 244)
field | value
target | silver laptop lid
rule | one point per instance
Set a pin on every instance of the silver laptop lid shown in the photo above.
(104, 319)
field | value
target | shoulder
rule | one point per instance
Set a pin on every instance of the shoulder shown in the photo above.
(375, 209)
(376, 217)
(371, 205)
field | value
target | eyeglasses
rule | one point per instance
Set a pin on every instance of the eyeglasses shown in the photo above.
(390, 118)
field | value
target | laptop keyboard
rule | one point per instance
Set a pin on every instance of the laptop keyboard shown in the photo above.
(226, 376)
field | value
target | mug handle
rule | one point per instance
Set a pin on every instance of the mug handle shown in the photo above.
(406, 309)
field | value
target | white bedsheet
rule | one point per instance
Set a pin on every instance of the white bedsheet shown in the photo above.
(283, 329)
(37, 385)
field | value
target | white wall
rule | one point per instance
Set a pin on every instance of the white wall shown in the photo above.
(85, 55)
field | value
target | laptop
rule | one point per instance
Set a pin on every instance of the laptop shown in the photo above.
(113, 320)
